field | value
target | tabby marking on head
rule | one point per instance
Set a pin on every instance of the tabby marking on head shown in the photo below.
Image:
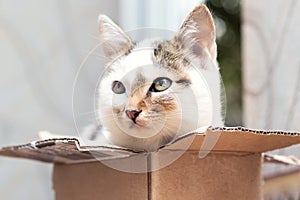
(156, 90)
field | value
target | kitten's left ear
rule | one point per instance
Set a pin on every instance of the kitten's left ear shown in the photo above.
(197, 32)
(114, 40)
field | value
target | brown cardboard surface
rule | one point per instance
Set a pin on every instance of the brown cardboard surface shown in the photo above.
(286, 183)
(240, 139)
(96, 181)
(235, 139)
(217, 176)
(67, 151)
(232, 170)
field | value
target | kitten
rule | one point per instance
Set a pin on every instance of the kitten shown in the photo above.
(155, 90)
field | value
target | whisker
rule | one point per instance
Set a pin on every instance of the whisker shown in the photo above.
(88, 113)
(93, 36)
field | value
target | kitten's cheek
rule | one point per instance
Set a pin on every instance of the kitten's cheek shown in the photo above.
(118, 109)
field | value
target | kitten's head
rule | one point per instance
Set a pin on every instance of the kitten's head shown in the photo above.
(153, 90)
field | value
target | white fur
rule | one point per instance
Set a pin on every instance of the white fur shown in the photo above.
(198, 108)
(198, 105)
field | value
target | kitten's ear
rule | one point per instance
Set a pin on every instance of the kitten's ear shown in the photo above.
(113, 38)
(197, 32)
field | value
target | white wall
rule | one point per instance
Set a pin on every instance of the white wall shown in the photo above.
(271, 68)
(271, 61)
(42, 44)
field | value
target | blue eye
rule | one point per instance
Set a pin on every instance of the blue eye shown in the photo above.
(160, 84)
(118, 87)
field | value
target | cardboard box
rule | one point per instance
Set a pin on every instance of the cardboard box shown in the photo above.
(232, 170)
(285, 183)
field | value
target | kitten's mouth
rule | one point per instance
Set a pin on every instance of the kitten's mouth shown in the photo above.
(133, 115)
(142, 128)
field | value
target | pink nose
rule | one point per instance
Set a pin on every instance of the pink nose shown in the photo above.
(133, 114)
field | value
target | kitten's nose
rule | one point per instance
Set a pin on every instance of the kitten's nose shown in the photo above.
(133, 114)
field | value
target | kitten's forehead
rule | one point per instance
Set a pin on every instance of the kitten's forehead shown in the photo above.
(139, 81)
(148, 60)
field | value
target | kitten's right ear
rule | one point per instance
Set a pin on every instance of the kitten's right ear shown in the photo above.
(114, 40)
(198, 32)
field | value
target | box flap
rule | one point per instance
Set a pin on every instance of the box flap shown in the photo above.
(240, 139)
(237, 139)
(64, 150)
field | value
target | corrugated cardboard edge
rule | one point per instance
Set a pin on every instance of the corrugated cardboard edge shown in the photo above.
(240, 129)
(64, 150)
(239, 139)
(69, 150)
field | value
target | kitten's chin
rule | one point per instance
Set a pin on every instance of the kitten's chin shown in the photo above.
(142, 131)
(141, 128)
(138, 126)
(139, 138)
(141, 124)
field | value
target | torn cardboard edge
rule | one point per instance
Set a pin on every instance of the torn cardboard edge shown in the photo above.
(279, 159)
(231, 140)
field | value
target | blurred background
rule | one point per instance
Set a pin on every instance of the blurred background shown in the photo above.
(42, 44)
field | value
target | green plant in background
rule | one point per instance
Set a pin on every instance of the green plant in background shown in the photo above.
(228, 23)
